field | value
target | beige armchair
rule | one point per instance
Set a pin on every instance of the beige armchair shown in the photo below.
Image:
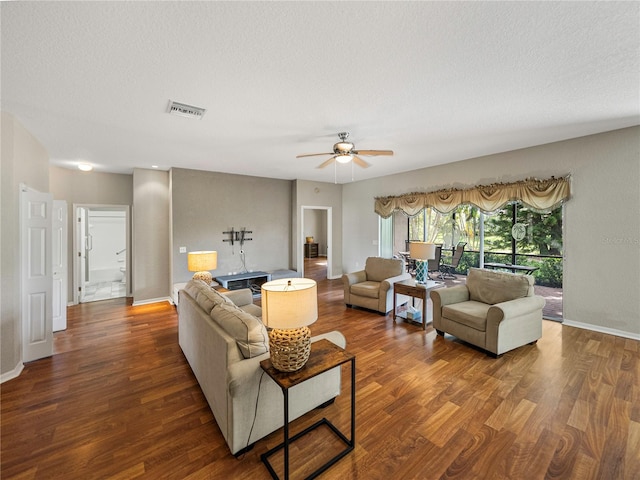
(372, 287)
(496, 311)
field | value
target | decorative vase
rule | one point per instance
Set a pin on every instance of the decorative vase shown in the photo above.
(421, 271)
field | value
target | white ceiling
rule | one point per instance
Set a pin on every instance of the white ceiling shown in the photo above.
(434, 81)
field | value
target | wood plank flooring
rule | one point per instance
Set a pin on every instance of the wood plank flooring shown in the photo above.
(118, 400)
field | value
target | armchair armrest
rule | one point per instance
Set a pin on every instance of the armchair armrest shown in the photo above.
(514, 308)
(449, 295)
(349, 279)
(241, 297)
(388, 282)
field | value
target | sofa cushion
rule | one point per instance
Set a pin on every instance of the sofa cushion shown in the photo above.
(471, 313)
(366, 289)
(379, 269)
(491, 287)
(249, 332)
(205, 296)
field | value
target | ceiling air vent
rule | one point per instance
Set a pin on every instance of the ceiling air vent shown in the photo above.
(184, 110)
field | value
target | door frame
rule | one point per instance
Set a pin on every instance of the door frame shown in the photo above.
(300, 248)
(77, 265)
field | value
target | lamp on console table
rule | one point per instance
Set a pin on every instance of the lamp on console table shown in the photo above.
(289, 305)
(422, 252)
(201, 262)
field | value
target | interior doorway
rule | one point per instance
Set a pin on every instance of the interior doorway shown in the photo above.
(316, 226)
(101, 245)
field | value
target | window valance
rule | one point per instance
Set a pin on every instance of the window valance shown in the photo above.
(540, 195)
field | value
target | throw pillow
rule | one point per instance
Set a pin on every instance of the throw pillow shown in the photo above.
(249, 332)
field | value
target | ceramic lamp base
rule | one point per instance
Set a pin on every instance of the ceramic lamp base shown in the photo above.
(289, 348)
(204, 276)
(421, 271)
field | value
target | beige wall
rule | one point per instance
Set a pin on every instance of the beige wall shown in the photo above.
(24, 160)
(205, 204)
(87, 188)
(601, 221)
(150, 244)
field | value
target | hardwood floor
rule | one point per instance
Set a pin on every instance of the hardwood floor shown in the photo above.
(118, 400)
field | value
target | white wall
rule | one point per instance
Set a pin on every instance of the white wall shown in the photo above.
(108, 230)
(601, 224)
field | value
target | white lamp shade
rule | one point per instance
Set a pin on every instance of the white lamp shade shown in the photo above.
(289, 303)
(422, 250)
(202, 261)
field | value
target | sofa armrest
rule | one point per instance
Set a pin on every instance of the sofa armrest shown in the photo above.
(244, 375)
(449, 295)
(352, 278)
(386, 284)
(241, 297)
(514, 308)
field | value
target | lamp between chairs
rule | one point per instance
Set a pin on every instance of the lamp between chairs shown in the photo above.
(422, 252)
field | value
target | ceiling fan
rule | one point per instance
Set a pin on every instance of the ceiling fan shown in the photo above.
(344, 152)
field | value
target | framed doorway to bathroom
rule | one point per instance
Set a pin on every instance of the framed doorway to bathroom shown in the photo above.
(101, 246)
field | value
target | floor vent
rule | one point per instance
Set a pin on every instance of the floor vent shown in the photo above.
(184, 110)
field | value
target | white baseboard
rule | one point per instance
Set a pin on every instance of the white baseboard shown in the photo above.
(13, 373)
(600, 329)
(152, 300)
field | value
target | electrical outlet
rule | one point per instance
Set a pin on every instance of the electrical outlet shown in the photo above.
(183, 249)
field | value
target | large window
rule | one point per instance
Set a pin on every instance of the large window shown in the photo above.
(448, 229)
(514, 234)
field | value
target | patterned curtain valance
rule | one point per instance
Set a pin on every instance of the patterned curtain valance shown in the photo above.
(540, 195)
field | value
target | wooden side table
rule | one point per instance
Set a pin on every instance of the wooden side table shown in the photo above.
(414, 290)
(324, 356)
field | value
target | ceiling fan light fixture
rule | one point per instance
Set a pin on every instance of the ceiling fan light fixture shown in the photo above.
(343, 158)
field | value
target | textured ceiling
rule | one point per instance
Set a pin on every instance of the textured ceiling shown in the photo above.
(434, 81)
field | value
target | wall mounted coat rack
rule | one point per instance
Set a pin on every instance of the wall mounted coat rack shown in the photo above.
(237, 236)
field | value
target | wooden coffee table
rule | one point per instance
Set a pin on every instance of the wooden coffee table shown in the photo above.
(414, 290)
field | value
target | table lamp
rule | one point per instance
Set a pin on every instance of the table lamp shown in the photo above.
(201, 262)
(422, 252)
(289, 305)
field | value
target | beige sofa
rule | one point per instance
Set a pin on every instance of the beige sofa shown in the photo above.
(372, 287)
(224, 341)
(495, 311)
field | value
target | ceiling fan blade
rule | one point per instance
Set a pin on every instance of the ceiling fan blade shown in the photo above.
(373, 152)
(313, 154)
(360, 162)
(327, 162)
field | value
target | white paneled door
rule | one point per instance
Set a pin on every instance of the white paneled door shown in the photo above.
(36, 266)
(59, 257)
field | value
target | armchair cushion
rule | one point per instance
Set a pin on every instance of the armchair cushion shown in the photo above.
(498, 287)
(379, 269)
(366, 289)
(472, 314)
